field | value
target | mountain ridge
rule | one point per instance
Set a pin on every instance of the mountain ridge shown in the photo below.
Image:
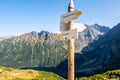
(43, 48)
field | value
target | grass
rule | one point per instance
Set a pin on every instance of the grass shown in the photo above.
(18, 74)
(109, 75)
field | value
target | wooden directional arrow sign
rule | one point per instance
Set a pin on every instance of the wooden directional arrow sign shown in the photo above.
(70, 34)
(63, 26)
(79, 26)
(70, 16)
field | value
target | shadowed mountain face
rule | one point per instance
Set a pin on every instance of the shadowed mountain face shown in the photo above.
(99, 56)
(102, 54)
(43, 49)
(90, 34)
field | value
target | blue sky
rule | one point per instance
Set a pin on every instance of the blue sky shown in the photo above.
(23, 16)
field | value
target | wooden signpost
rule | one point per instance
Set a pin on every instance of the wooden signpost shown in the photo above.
(68, 33)
(70, 16)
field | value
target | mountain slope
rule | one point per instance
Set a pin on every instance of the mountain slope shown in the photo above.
(102, 29)
(102, 55)
(32, 50)
(90, 34)
(18, 74)
(41, 49)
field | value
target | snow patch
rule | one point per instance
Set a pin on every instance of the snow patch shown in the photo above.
(79, 26)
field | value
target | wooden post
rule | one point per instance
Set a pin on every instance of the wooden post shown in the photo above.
(70, 46)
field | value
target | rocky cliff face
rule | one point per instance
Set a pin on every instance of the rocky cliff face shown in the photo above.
(90, 34)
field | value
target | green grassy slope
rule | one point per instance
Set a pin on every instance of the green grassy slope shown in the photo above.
(17, 74)
(109, 75)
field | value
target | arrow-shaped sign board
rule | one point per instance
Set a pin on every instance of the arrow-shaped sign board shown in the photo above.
(70, 34)
(70, 16)
(63, 26)
(79, 26)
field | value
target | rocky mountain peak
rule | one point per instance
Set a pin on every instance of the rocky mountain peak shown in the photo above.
(47, 36)
(43, 34)
(34, 34)
(92, 33)
(103, 29)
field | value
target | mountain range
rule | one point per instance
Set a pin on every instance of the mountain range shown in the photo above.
(97, 50)
(98, 56)
(102, 54)
(43, 48)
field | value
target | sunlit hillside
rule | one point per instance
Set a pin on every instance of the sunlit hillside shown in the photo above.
(17, 74)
